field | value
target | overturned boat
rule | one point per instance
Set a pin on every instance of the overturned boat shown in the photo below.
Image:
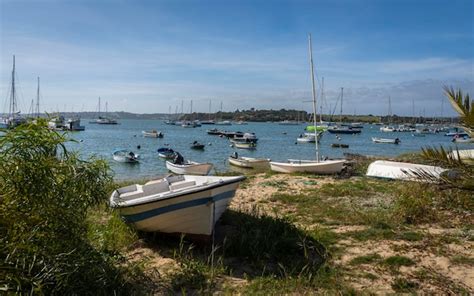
(176, 204)
(403, 171)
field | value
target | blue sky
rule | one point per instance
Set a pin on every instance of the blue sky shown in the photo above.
(145, 56)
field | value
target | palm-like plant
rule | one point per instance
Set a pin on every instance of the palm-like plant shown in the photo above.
(464, 106)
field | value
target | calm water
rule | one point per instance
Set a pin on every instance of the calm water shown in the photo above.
(102, 140)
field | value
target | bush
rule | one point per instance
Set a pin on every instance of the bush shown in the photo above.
(45, 193)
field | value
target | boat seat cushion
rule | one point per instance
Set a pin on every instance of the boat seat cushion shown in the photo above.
(182, 184)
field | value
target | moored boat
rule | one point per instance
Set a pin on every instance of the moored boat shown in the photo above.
(176, 204)
(152, 134)
(196, 145)
(166, 153)
(126, 156)
(244, 145)
(339, 145)
(386, 141)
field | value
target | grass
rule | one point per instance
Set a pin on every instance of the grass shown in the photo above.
(463, 260)
(402, 285)
(398, 261)
(366, 259)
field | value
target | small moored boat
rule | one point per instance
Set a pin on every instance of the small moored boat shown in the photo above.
(181, 167)
(339, 145)
(196, 145)
(166, 152)
(244, 145)
(152, 134)
(386, 141)
(176, 204)
(124, 155)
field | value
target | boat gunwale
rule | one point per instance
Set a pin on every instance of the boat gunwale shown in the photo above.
(175, 194)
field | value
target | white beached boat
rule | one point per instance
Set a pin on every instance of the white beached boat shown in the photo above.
(189, 167)
(308, 166)
(152, 134)
(249, 162)
(386, 141)
(176, 204)
(402, 170)
(466, 155)
(125, 156)
(316, 166)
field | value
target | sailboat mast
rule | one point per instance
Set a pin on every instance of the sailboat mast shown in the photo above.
(210, 102)
(342, 99)
(13, 93)
(37, 100)
(321, 104)
(313, 88)
(99, 106)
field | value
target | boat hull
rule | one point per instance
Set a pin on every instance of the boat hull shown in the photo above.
(248, 162)
(401, 171)
(200, 169)
(323, 167)
(190, 212)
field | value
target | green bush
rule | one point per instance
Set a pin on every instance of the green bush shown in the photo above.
(45, 193)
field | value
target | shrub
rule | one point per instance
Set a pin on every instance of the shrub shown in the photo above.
(45, 192)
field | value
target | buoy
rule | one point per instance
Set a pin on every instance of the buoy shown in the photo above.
(138, 147)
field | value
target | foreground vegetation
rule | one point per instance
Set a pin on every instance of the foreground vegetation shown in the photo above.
(299, 234)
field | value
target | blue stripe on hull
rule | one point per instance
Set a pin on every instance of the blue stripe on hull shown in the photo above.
(187, 204)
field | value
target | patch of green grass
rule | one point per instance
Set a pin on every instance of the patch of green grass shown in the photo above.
(277, 184)
(107, 231)
(327, 279)
(373, 233)
(397, 261)
(402, 285)
(366, 259)
(271, 245)
(460, 259)
(410, 236)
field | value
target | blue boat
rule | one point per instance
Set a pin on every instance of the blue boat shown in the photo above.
(166, 153)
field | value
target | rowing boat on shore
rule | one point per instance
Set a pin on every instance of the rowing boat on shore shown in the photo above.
(402, 171)
(249, 162)
(176, 204)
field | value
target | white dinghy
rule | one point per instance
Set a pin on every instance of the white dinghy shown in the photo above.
(181, 167)
(316, 166)
(386, 141)
(123, 155)
(248, 162)
(176, 204)
(402, 171)
(189, 167)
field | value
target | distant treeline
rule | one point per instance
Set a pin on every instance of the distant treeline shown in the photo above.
(264, 116)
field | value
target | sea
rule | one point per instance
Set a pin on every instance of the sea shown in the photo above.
(277, 142)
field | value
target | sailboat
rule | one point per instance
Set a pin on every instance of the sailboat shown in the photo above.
(343, 129)
(388, 128)
(104, 119)
(311, 166)
(13, 119)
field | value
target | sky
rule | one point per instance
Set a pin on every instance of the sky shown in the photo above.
(154, 56)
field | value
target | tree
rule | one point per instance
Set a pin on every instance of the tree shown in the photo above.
(45, 193)
(463, 106)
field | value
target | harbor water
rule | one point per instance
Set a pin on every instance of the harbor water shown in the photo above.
(275, 141)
